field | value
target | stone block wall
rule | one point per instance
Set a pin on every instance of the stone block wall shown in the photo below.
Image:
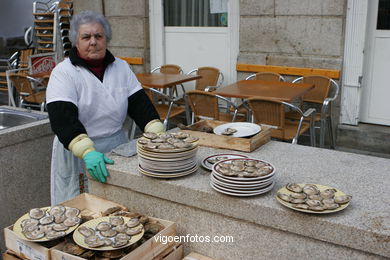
(130, 27)
(299, 33)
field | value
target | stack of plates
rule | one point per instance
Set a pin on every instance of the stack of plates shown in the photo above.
(242, 177)
(166, 163)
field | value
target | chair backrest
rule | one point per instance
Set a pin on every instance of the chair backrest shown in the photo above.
(168, 69)
(321, 89)
(23, 86)
(210, 77)
(203, 104)
(267, 111)
(268, 76)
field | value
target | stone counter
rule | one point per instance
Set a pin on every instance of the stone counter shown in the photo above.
(261, 227)
(25, 156)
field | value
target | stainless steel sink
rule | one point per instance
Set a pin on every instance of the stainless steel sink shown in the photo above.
(10, 118)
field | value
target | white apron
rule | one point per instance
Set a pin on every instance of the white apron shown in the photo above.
(66, 168)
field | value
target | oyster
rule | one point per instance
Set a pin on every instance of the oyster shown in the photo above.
(108, 233)
(30, 227)
(229, 131)
(181, 145)
(313, 203)
(57, 210)
(72, 212)
(37, 213)
(180, 135)
(59, 218)
(91, 239)
(315, 197)
(283, 196)
(116, 220)
(132, 222)
(298, 195)
(120, 228)
(150, 135)
(331, 205)
(111, 210)
(328, 193)
(59, 227)
(35, 234)
(107, 241)
(72, 221)
(103, 226)
(122, 236)
(46, 220)
(133, 231)
(28, 221)
(310, 189)
(143, 141)
(342, 199)
(297, 201)
(294, 187)
(158, 140)
(86, 231)
(97, 243)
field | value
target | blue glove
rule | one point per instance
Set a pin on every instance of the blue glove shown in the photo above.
(96, 165)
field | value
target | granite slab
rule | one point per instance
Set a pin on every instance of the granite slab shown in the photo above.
(364, 225)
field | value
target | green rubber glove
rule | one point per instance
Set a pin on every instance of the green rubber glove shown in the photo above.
(96, 165)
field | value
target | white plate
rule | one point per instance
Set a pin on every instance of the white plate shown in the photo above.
(206, 164)
(245, 183)
(242, 194)
(321, 188)
(240, 186)
(168, 176)
(239, 190)
(243, 129)
(79, 238)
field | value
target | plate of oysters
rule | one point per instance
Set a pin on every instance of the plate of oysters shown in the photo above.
(108, 233)
(166, 142)
(48, 223)
(209, 161)
(242, 177)
(312, 198)
(237, 129)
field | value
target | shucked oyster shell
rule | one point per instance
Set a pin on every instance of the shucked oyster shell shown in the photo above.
(37, 213)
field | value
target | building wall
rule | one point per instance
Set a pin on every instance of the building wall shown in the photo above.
(299, 33)
(129, 21)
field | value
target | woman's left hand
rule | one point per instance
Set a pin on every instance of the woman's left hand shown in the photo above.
(96, 165)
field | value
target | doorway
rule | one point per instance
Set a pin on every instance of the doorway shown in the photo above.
(375, 106)
(195, 33)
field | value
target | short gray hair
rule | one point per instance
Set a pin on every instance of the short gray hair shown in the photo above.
(88, 17)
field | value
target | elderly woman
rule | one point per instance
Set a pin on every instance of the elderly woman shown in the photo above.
(88, 97)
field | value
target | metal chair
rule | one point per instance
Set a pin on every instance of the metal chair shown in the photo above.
(268, 76)
(325, 91)
(28, 96)
(205, 105)
(271, 112)
(212, 78)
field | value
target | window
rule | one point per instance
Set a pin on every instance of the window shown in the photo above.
(383, 22)
(200, 13)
